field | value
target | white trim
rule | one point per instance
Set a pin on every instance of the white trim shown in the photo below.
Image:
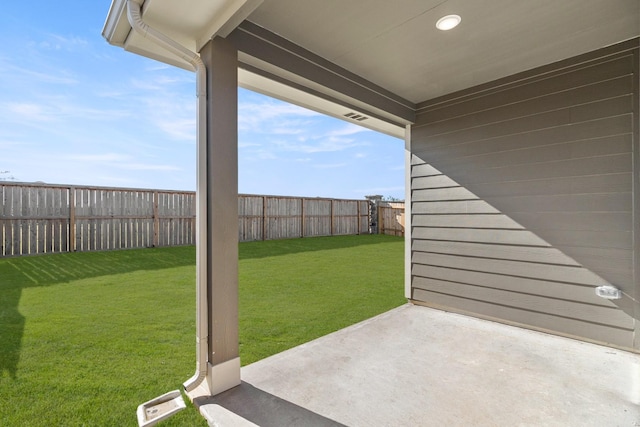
(224, 376)
(407, 212)
(116, 27)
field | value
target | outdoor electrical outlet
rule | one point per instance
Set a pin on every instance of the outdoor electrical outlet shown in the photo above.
(608, 292)
(160, 408)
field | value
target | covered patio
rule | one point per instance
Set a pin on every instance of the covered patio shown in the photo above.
(417, 366)
(522, 143)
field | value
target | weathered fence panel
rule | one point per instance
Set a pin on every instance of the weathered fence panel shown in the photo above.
(317, 217)
(44, 218)
(175, 214)
(278, 217)
(347, 216)
(391, 218)
(283, 217)
(250, 217)
(33, 219)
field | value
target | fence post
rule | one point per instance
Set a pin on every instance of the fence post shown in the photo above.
(358, 213)
(332, 219)
(264, 217)
(72, 219)
(302, 217)
(156, 221)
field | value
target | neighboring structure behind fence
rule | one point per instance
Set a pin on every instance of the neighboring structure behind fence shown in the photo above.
(44, 218)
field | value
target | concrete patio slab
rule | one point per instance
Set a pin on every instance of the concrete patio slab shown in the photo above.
(416, 366)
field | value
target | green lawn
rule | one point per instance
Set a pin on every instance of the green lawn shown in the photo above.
(86, 337)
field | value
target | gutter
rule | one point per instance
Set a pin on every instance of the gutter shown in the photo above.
(134, 16)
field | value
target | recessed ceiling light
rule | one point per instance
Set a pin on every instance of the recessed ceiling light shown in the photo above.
(448, 22)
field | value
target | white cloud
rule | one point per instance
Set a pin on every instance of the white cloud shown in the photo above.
(55, 109)
(58, 42)
(330, 165)
(271, 117)
(62, 77)
(4, 144)
(158, 66)
(163, 101)
(27, 110)
(101, 158)
(53, 75)
(146, 167)
(122, 161)
(296, 129)
(349, 129)
(183, 129)
(264, 155)
(322, 144)
(155, 81)
(248, 144)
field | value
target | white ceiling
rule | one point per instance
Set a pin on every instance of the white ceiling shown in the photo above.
(395, 44)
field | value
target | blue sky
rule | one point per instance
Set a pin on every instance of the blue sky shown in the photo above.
(75, 110)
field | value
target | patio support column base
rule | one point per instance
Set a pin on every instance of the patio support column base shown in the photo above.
(223, 376)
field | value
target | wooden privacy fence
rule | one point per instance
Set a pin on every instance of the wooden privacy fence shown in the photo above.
(44, 218)
(278, 217)
(391, 218)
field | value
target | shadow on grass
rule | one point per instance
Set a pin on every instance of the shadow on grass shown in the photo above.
(11, 330)
(46, 270)
(20, 273)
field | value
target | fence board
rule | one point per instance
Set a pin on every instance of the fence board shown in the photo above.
(391, 218)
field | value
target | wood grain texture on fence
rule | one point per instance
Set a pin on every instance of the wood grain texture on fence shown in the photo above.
(46, 218)
(281, 217)
(391, 218)
(33, 219)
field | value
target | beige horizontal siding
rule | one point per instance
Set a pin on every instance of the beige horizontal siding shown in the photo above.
(522, 198)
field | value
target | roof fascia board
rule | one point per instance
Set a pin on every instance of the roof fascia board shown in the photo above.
(268, 47)
(117, 30)
(116, 27)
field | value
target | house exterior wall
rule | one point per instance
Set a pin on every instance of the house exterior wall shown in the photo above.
(522, 198)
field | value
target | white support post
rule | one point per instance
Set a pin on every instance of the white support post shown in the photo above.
(407, 212)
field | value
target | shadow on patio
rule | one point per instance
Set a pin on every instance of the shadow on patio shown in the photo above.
(416, 366)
